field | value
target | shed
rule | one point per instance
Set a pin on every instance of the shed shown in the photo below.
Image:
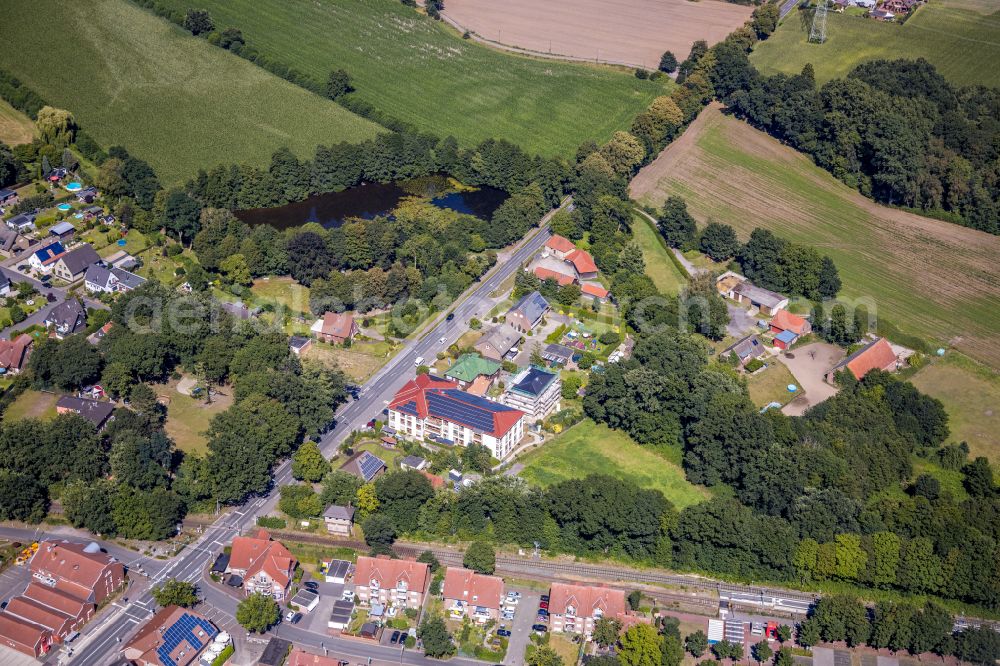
(305, 600)
(337, 570)
(62, 229)
(340, 616)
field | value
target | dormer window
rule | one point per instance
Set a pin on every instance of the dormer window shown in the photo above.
(570, 610)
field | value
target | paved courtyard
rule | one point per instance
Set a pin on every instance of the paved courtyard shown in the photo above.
(809, 364)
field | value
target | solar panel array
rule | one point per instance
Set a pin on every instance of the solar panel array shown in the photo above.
(184, 629)
(460, 407)
(369, 465)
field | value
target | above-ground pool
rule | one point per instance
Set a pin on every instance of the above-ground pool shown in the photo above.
(64, 207)
(74, 186)
(122, 242)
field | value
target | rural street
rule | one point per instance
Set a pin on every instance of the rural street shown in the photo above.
(101, 644)
(787, 6)
(39, 316)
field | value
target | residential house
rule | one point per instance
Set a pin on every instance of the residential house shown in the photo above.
(25, 637)
(265, 565)
(14, 354)
(498, 343)
(534, 391)
(121, 259)
(66, 318)
(556, 354)
(399, 583)
(335, 327)
(11, 242)
(299, 657)
(299, 345)
(468, 367)
(95, 411)
(62, 230)
(174, 636)
(99, 279)
(583, 264)
(365, 465)
(788, 328)
(87, 195)
(72, 265)
(437, 409)
(22, 223)
(577, 608)
(559, 246)
(339, 519)
(42, 259)
(562, 279)
(473, 595)
(81, 571)
(746, 349)
(101, 333)
(527, 313)
(7, 197)
(881, 14)
(900, 6)
(876, 355)
(595, 291)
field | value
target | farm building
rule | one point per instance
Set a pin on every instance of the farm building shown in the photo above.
(788, 328)
(876, 355)
(562, 279)
(559, 246)
(583, 264)
(746, 349)
(594, 290)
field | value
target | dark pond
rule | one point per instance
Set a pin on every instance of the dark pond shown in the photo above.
(373, 199)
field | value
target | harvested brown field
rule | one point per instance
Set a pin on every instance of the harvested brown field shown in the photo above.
(933, 279)
(629, 32)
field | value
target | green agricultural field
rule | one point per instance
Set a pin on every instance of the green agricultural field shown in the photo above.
(960, 37)
(932, 279)
(589, 448)
(971, 396)
(659, 265)
(417, 70)
(134, 79)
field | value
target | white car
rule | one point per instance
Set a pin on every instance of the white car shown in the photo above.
(289, 615)
(443, 340)
(418, 360)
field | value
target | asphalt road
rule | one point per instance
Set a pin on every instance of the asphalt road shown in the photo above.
(787, 6)
(39, 316)
(101, 644)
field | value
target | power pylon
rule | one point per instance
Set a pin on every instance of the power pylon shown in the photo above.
(817, 33)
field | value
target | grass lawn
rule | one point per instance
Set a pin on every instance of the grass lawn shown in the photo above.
(188, 418)
(284, 291)
(659, 266)
(565, 648)
(32, 405)
(932, 279)
(188, 104)
(389, 456)
(961, 38)
(971, 396)
(420, 71)
(359, 361)
(15, 127)
(771, 385)
(589, 448)
(135, 243)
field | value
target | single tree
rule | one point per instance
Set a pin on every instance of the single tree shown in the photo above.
(380, 533)
(308, 463)
(175, 592)
(543, 655)
(257, 613)
(668, 62)
(198, 21)
(338, 84)
(640, 646)
(762, 652)
(435, 637)
(606, 631)
(431, 560)
(634, 599)
(719, 241)
(480, 557)
(696, 643)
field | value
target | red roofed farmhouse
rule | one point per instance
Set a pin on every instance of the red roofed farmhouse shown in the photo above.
(559, 246)
(265, 565)
(335, 327)
(471, 594)
(583, 264)
(428, 407)
(561, 279)
(576, 608)
(788, 328)
(876, 355)
(399, 583)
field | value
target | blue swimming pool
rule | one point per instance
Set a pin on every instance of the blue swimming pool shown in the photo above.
(64, 207)
(74, 186)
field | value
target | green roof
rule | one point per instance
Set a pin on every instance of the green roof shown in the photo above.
(470, 366)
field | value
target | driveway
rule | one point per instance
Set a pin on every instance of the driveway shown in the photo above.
(741, 321)
(520, 628)
(809, 365)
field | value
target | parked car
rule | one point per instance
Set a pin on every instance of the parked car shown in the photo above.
(542, 618)
(543, 611)
(402, 638)
(311, 585)
(545, 598)
(289, 615)
(371, 424)
(295, 618)
(395, 637)
(513, 595)
(503, 632)
(540, 628)
(507, 615)
(544, 605)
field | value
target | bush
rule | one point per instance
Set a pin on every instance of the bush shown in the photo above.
(224, 656)
(641, 74)
(754, 365)
(272, 522)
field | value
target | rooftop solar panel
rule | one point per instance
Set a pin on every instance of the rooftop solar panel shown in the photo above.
(185, 629)
(369, 465)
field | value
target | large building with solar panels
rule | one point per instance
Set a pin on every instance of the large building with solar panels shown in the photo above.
(175, 636)
(432, 408)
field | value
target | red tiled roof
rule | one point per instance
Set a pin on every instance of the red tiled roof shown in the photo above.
(23, 633)
(57, 599)
(13, 352)
(479, 386)
(787, 321)
(560, 244)
(389, 572)
(585, 599)
(413, 398)
(338, 324)
(546, 274)
(582, 261)
(473, 588)
(67, 561)
(258, 553)
(144, 645)
(594, 290)
(876, 356)
(299, 657)
(31, 611)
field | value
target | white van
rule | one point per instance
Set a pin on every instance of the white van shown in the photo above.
(419, 360)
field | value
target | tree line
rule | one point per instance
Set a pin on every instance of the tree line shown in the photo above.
(895, 130)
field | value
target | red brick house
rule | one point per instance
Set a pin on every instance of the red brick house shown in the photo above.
(576, 608)
(335, 327)
(788, 328)
(81, 571)
(23, 636)
(876, 355)
(265, 565)
(399, 583)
